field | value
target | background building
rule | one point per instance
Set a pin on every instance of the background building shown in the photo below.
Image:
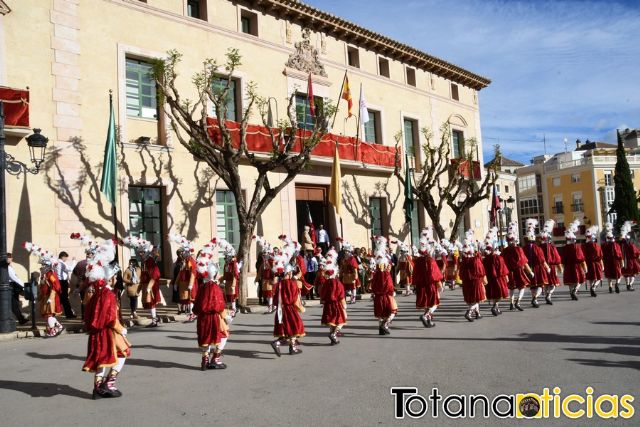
(507, 190)
(575, 184)
(81, 50)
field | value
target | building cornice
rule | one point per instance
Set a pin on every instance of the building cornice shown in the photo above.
(342, 29)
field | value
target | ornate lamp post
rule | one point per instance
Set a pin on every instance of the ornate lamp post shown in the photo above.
(37, 145)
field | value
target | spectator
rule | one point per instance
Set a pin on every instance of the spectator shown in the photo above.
(307, 242)
(62, 270)
(18, 288)
(323, 239)
(78, 277)
(131, 279)
(311, 263)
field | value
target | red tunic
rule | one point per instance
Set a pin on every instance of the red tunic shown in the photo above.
(452, 267)
(515, 259)
(427, 276)
(572, 258)
(209, 305)
(302, 266)
(50, 295)
(286, 298)
(151, 271)
(441, 264)
(552, 257)
(100, 319)
(384, 303)
(472, 275)
(536, 260)
(612, 257)
(332, 296)
(593, 258)
(319, 283)
(188, 271)
(630, 255)
(231, 276)
(349, 273)
(497, 272)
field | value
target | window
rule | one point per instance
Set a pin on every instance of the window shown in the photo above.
(577, 205)
(411, 76)
(454, 92)
(378, 214)
(526, 182)
(303, 112)
(575, 177)
(458, 144)
(353, 56)
(249, 22)
(556, 181)
(411, 137)
(383, 67)
(608, 178)
(227, 224)
(146, 213)
(141, 90)
(372, 132)
(506, 189)
(415, 222)
(232, 97)
(529, 207)
(197, 9)
(558, 207)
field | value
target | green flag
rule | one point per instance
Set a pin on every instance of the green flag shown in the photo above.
(408, 191)
(109, 167)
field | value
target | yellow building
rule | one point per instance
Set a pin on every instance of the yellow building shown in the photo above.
(78, 51)
(574, 185)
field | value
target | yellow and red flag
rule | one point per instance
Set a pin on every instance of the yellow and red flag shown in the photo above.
(346, 94)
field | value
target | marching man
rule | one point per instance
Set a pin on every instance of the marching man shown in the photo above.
(473, 278)
(405, 267)
(149, 277)
(537, 262)
(334, 309)
(593, 258)
(517, 262)
(573, 261)
(552, 257)
(186, 281)
(612, 258)
(288, 326)
(384, 302)
(265, 274)
(231, 276)
(428, 279)
(49, 292)
(349, 272)
(213, 318)
(108, 347)
(630, 254)
(497, 272)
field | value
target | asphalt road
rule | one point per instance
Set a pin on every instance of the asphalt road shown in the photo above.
(592, 342)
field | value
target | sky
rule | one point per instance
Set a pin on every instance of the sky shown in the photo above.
(559, 69)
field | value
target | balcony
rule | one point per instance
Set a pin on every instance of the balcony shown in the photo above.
(16, 111)
(577, 207)
(558, 231)
(350, 149)
(558, 208)
(468, 169)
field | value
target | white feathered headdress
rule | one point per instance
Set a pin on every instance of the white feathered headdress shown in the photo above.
(86, 240)
(531, 224)
(570, 232)
(380, 251)
(45, 258)
(491, 239)
(206, 263)
(547, 230)
(138, 244)
(625, 230)
(184, 244)
(331, 264)
(512, 232)
(592, 233)
(101, 267)
(470, 244)
(608, 228)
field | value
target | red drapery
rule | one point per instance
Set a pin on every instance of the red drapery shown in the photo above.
(349, 148)
(16, 106)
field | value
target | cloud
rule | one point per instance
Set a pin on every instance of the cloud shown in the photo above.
(564, 69)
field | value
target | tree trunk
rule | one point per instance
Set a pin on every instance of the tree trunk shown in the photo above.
(456, 224)
(246, 235)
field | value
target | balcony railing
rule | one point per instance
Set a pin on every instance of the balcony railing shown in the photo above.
(350, 149)
(468, 169)
(558, 209)
(577, 207)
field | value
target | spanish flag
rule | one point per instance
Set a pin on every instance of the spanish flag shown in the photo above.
(346, 94)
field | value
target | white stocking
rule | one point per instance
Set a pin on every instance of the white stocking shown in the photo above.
(220, 346)
(538, 291)
(101, 372)
(51, 322)
(119, 365)
(153, 313)
(391, 316)
(432, 309)
(233, 305)
(520, 294)
(270, 300)
(549, 290)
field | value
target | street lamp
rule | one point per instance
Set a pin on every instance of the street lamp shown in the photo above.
(37, 145)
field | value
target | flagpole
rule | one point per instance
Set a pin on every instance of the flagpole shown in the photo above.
(114, 212)
(344, 79)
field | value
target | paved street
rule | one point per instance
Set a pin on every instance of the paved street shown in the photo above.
(592, 342)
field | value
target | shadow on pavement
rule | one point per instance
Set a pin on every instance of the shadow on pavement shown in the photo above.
(44, 389)
(131, 361)
(599, 363)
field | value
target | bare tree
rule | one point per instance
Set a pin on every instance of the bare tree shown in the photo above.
(441, 181)
(214, 144)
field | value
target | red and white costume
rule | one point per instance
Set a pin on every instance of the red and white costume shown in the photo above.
(264, 274)
(49, 289)
(593, 258)
(612, 259)
(497, 273)
(384, 302)
(428, 279)
(473, 277)
(405, 268)
(630, 254)
(186, 281)
(552, 257)
(573, 261)
(349, 272)
(231, 275)
(213, 318)
(537, 262)
(149, 276)
(334, 308)
(519, 271)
